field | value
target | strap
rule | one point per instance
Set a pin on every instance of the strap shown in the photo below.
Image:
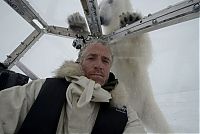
(44, 114)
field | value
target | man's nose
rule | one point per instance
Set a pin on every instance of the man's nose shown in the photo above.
(99, 64)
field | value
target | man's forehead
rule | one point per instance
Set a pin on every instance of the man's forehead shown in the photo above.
(96, 55)
(98, 48)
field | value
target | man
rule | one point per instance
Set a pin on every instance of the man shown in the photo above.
(95, 101)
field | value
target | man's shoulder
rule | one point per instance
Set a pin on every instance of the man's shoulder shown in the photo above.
(55, 83)
(56, 80)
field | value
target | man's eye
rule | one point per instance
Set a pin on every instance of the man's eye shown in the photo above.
(90, 58)
(106, 61)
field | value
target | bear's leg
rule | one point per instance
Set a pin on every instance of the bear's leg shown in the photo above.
(77, 22)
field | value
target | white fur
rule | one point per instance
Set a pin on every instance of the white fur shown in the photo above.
(110, 10)
(69, 68)
(119, 96)
(131, 59)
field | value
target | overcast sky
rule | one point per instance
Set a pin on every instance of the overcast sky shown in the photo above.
(175, 66)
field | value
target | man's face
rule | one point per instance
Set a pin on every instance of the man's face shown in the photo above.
(96, 63)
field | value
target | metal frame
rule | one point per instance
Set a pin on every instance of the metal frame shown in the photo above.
(27, 71)
(178, 13)
(91, 11)
(65, 32)
(22, 49)
(183, 11)
(24, 9)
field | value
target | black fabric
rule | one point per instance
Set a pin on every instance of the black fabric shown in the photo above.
(10, 78)
(110, 120)
(44, 115)
(2, 66)
(111, 83)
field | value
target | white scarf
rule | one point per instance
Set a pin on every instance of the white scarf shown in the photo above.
(81, 110)
(86, 90)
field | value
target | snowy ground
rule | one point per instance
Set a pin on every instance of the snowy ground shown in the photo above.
(181, 110)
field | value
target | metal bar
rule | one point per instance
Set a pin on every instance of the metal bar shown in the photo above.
(91, 11)
(24, 9)
(27, 71)
(36, 15)
(178, 13)
(66, 32)
(22, 49)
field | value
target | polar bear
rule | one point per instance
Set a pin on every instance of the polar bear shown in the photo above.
(132, 57)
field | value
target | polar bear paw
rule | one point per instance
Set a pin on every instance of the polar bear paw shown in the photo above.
(77, 22)
(128, 18)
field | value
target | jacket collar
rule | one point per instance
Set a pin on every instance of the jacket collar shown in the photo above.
(119, 95)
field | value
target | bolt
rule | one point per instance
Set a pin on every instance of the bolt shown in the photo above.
(128, 32)
(154, 21)
(8, 56)
(196, 7)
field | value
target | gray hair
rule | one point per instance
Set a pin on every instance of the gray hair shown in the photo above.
(92, 42)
